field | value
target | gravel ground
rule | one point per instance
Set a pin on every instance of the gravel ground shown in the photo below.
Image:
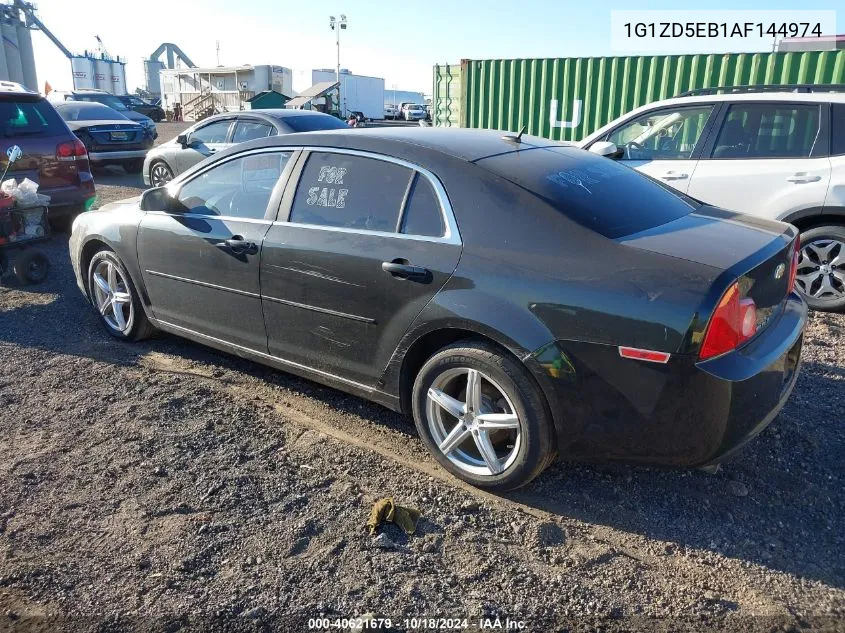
(164, 486)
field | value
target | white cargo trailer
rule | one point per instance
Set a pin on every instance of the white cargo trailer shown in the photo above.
(358, 93)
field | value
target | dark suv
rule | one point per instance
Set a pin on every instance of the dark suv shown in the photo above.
(156, 113)
(52, 156)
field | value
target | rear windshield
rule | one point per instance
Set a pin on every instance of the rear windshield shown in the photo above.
(76, 111)
(313, 122)
(29, 118)
(594, 191)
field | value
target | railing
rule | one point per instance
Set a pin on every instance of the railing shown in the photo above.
(197, 106)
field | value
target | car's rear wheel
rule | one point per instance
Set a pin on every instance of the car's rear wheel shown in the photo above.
(116, 299)
(821, 268)
(483, 417)
(160, 174)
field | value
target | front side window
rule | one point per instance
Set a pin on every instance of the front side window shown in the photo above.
(248, 130)
(239, 188)
(768, 131)
(353, 192)
(212, 133)
(662, 135)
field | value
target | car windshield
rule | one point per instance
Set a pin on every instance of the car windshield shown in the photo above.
(594, 191)
(109, 100)
(78, 111)
(313, 122)
(29, 118)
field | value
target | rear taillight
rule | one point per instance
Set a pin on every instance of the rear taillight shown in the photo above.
(793, 269)
(71, 150)
(734, 321)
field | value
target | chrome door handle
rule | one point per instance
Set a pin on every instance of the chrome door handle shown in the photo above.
(802, 177)
(673, 175)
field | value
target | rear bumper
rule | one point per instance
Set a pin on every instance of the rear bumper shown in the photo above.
(67, 200)
(98, 157)
(684, 413)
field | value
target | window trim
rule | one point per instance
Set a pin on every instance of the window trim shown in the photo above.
(175, 187)
(715, 111)
(451, 236)
(821, 146)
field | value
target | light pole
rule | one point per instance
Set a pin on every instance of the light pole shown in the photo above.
(337, 26)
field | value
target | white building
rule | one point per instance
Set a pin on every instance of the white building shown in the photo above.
(205, 91)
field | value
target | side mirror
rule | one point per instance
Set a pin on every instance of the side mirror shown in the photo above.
(155, 199)
(182, 139)
(604, 148)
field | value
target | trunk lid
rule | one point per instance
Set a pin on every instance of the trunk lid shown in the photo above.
(755, 252)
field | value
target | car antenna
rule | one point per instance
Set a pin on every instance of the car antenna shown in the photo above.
(515, 138)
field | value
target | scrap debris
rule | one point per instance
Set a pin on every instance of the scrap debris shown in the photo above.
(386, 510)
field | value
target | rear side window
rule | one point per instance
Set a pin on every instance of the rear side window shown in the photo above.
(837, 139)
(768, 131)
(212, 133)
(422, 214)
(249, 130)
(314, 122)
(351, 192)
(29, 118)
(596, 192)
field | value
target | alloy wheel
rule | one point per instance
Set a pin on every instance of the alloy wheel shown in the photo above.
(473, 422)
(821, 269)
(111, 296)
(160, 175)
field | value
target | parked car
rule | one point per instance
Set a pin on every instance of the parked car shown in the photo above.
(413, 112)
(391, 112)
(51, 155)
(519, 298)
(778, 153)
(136, 104)
(109, 137)
(219, 132)
(106, 98)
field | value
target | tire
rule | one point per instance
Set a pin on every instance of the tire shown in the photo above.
(136, 325)
(133, 166)
(31, 266)
(821, 268)
(520, 453)
(160, 173)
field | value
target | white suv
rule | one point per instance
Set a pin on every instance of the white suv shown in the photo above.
(775, 152)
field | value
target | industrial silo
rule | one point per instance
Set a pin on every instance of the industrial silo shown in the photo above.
(102, 74)
(83, 72)
(118, 78)
(152, 79)
(30, 78)
(12, 51)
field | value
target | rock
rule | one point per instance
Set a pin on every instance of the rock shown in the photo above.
(737, 488)
(383, 541)
(159, 472)
(256, 613)
(711, 596)
(471, 506)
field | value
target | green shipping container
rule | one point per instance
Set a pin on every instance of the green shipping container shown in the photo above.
(568, 98)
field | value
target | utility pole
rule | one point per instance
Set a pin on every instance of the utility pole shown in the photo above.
(337, 26)
(217, 44)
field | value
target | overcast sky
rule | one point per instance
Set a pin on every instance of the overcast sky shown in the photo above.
(398, 40)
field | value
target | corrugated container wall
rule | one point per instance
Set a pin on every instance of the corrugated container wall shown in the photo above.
(567, 99)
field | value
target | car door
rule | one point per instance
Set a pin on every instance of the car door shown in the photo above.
(369, 241)
(768, 159)
(199, 259)
(835, 200)
(662, 142)
(204, 141)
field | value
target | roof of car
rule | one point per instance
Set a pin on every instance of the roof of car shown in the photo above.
(462, 143)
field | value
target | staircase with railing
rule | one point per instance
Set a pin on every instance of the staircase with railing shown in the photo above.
(199, 107)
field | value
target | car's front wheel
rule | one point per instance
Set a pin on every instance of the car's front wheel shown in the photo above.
(821, 268)
(483, 417)
(160, 174)
(116, 299)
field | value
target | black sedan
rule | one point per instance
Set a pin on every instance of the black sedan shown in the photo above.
(220, 132)
(521, 299)
(109, 137)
